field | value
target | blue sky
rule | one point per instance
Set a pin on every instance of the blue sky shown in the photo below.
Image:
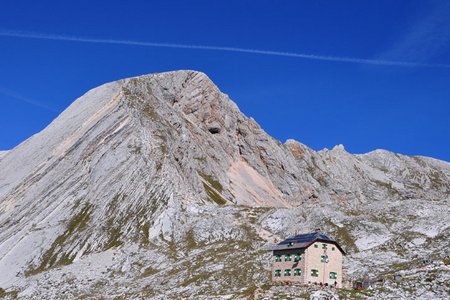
(366, 74)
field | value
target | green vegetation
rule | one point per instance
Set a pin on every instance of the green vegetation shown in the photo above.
(54, 256)
(213, 188)
(437, 179)
(342, 236)
(241, 268)
(201, 159)
(112, 225)
(419, 161)
(141, 218)
(163, 144)
(213, 195)
(150, 113)
(388, 186)
(318, 173)
(249, 293)
(114, 235)
(196, 279)
(212, 182)
(145, 233)
(135, 149)
(322, 181)
(148, 87)
(149, 271)
(10, 295)
(190, 239)
(353, 294)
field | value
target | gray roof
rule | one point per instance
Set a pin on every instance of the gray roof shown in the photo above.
(304, 241)
(295, 246)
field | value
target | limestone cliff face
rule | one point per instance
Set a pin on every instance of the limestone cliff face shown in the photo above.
(148, 175)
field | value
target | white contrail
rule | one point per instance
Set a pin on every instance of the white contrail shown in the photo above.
(55, 37)
(20, 98)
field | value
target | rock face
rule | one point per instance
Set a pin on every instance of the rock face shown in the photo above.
(158, 186)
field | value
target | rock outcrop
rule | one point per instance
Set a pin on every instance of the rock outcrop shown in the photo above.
(158, 186)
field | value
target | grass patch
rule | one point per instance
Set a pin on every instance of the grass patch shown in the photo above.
(145, 234)
(201, 159)
(345, 238)
(213, 189)
(353, 294)
(437, 180)
(149, 272)
(190, 240)
(249, 293)
(387, 186)
(150, 113)
(10, 295)
(213, 195)
(196, 279)
(136, 149)
(55, 256)
(114, 230)
(212, 182)
(114, 235)
(163, 144)
(342, 236)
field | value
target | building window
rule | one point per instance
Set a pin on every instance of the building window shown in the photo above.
(333, 275)
(332, 248)
(324, 246)
(314, 273)
(324, 258)
(297, 272)
(316, 246)
(277, 258)
(287, 272)
(297, 257)
(290, 244)
(287, 257)
(277, 273)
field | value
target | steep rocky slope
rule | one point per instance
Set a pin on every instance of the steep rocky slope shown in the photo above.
(158, 186)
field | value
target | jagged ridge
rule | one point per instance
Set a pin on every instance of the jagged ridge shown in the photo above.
(167, 161)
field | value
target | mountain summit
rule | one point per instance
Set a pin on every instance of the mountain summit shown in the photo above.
(158, 186)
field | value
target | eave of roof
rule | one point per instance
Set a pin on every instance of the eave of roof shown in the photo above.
(306, 237)
(303, 245)
(295, 246)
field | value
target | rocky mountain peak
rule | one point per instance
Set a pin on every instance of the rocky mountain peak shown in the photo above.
(339, 147)
(155, 180)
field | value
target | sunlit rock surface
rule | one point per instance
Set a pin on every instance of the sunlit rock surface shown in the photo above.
(159, 187)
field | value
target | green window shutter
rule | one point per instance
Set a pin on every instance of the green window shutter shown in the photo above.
(277, 273)
(314, 273)
(297, 272)
(287, 272)
(290, 244)
(278, 258)
(324, 258)
(324, 246)
(333, 275)
(287, 257)
(297, 257)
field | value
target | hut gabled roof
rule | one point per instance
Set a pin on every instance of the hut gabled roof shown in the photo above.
(305, 240)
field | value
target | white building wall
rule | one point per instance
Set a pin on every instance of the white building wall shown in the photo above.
(313, 262)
